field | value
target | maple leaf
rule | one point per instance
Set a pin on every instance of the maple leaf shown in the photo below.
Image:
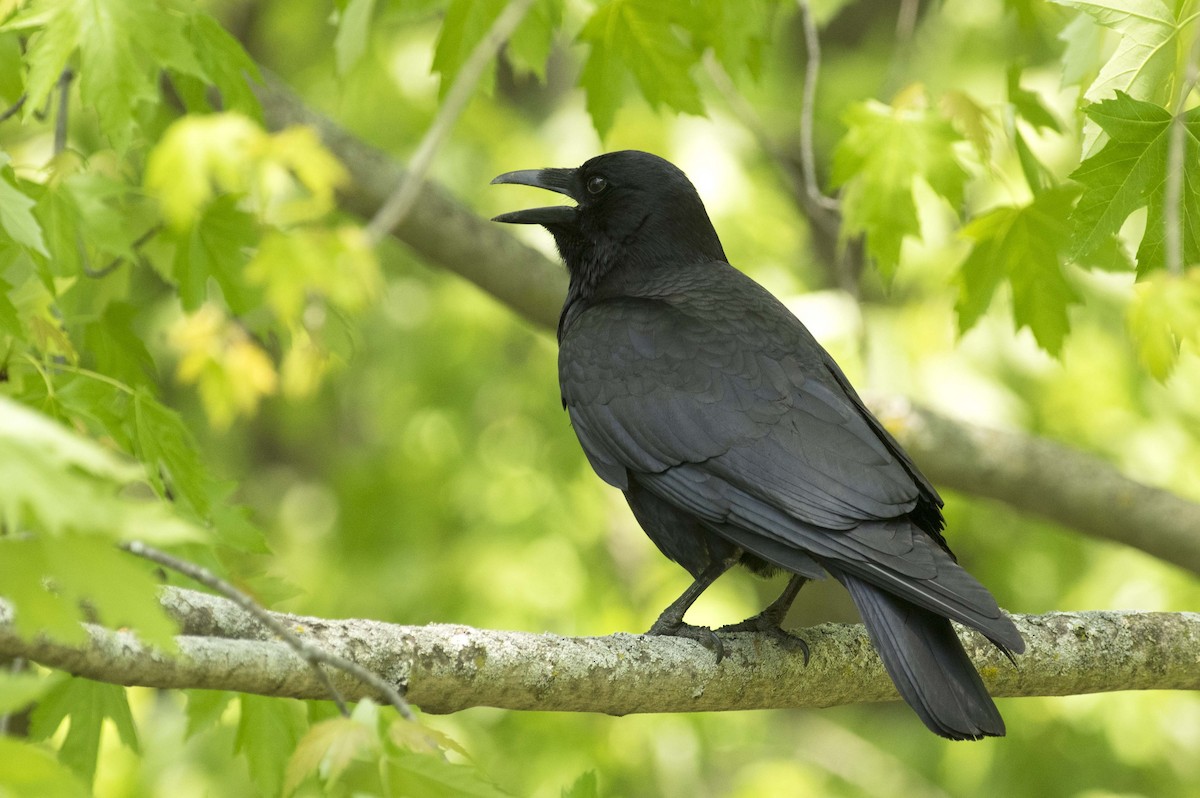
(885, 150)
(1021, 246)
(1130, 172)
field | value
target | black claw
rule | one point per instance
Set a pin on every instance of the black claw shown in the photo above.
(768, 625)
(701, 634)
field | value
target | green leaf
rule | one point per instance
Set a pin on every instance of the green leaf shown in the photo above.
(1144, 61)
(56, 30)
(1028, 104)
(637, 37)
(11, 69)
(115, 76)
(267, 733)
(354, 28)
(1083, 55)
(217, 246)
(88, 704)
(737, 32)
(1036, 174)
(58, 481)
(168, 448)
(117, 348)
(970, 119)
(529, 47)
(226, 63)
(1164, 313)
(885, 150)
(16, 214)
(205, 708)
(329, 748)
(195, 158)
(32, 770)
(585, 786)
(1021, 246)
(10, 322)
(19, 690)
(431, 776)
(465, 24)
(1130, 172)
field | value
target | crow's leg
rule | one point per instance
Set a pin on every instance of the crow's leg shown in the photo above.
(770, 620)
(670, 622)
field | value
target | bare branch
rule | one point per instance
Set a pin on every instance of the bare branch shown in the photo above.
(313, 655)
(449, 668)
(400, 202)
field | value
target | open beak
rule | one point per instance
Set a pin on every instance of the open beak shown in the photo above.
(560, 180)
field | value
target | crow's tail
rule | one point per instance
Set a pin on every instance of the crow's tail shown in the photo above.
(927, 662)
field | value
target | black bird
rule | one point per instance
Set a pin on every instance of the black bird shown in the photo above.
(737, 439)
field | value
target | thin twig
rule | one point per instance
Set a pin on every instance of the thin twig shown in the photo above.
(1176, 151)
(401, 200)
(120, 259)
(813, 65)
(906, 21)
(64, 103)
(12, 109)
(311, 654)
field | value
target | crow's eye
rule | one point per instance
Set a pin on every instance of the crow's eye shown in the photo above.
(596, 184)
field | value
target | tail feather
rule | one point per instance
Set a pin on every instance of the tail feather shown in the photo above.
(927, 662)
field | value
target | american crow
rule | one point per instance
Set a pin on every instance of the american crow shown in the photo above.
(737, 439)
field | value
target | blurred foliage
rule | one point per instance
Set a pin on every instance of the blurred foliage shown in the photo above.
(199, 349)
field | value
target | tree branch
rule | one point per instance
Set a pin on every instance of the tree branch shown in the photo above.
(1029, 473)
(448, 668)
(1048, 479)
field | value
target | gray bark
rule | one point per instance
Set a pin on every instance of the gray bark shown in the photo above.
(446, 668)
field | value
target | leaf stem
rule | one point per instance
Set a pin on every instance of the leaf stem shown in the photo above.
(1176, 152)
(812, 44)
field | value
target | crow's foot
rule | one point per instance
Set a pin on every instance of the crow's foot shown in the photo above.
(701, 634)
(766, 623)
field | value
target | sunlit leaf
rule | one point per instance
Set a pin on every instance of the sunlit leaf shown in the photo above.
(637, 37)
(16, 216)
(267, 733)
(1029, 105)
(19, 690)
(431, 776)
(1021, 246)
(1130, 172)
(354, 27)
(32, 770)
(88, 704)
(529, 47)
(970, 119)
(328, 748)
(1165, 313)
(1142, 65)
(231, 371)
(586, 786)
(885, 150)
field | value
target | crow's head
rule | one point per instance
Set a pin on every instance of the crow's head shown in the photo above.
(632, 209)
